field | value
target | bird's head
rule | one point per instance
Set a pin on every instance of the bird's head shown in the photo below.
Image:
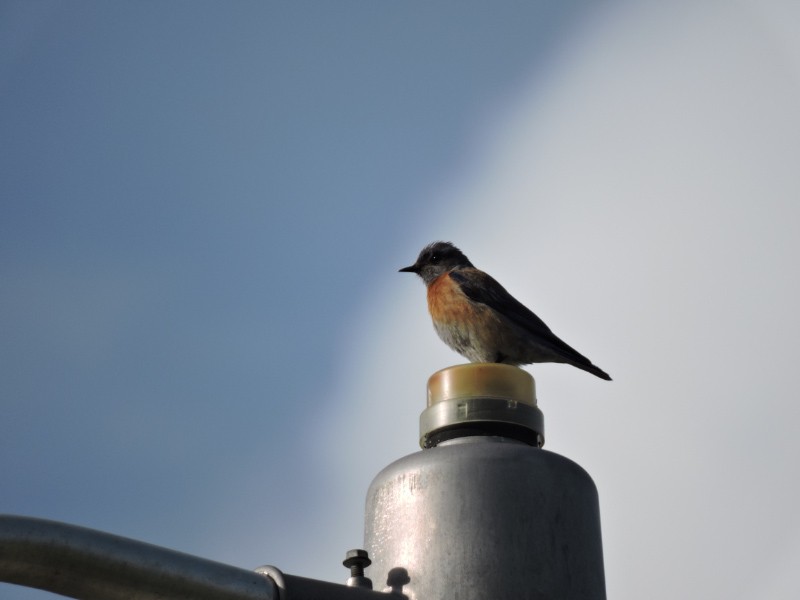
(436, 259)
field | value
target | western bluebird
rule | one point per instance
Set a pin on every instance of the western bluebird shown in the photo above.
(479, 319)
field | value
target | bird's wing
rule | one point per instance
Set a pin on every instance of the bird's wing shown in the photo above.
(481, 287)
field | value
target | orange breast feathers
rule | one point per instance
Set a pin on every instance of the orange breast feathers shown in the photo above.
(447, 303)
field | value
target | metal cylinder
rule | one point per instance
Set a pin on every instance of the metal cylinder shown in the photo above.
(484, 512)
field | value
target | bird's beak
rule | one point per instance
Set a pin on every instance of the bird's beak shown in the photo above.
(412, 269)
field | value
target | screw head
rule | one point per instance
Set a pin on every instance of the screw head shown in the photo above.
(356, 558)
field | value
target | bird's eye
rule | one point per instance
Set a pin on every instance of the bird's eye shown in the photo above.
(434, 259)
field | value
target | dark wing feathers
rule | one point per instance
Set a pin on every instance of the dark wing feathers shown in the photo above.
(483, 288)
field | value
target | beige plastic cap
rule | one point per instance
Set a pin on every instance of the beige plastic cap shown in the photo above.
(481, 399)
(482, 380)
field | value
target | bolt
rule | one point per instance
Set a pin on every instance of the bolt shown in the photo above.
(356, 560)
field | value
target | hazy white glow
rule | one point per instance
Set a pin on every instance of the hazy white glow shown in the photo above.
(644, 203)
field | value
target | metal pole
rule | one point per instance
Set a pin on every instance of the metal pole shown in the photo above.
(93, 565)
(483, 511)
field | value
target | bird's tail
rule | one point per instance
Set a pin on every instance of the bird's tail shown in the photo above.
(597, 371)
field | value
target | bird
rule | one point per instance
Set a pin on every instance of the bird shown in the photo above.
(475, 315)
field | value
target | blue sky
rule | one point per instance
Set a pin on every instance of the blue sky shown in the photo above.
(203, 207)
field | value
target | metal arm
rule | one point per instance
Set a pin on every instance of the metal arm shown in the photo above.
(92, 565)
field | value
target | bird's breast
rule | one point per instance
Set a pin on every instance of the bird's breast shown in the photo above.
(470, 328)
(447, 303)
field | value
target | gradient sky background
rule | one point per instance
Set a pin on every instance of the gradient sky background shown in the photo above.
(203, 206)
